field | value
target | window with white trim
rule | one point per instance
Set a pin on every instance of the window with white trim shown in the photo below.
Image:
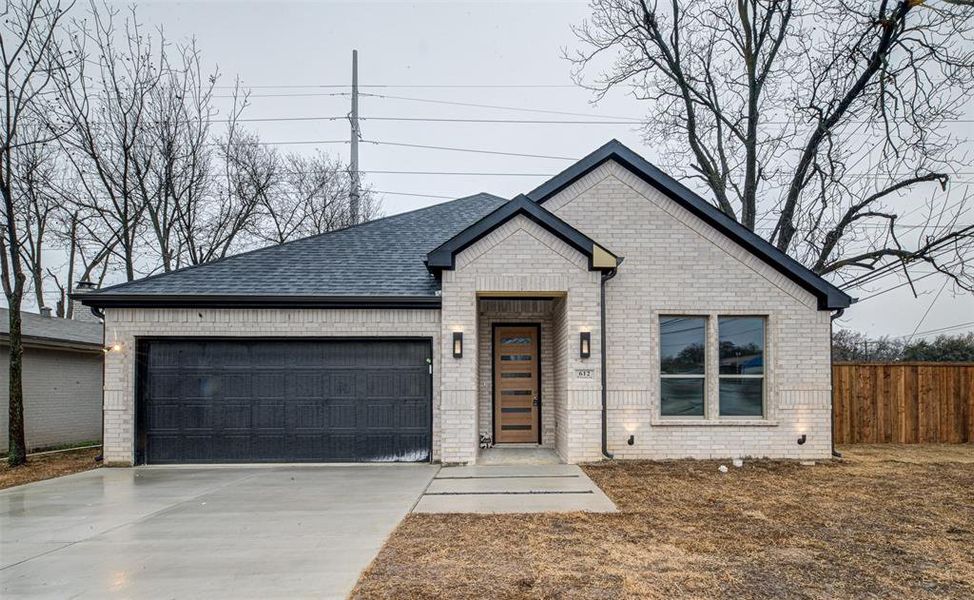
(741, 344)
(683, 370)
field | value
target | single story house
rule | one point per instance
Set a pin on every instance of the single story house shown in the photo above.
(62, 379)
(609, 312)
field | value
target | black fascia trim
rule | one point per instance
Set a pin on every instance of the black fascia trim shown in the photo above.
(444, 256)
(829, 296)
(253, 301)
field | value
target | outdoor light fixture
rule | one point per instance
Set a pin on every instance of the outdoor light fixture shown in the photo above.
(457, 344)
(585, 344)
(631, 440)
(802, 439)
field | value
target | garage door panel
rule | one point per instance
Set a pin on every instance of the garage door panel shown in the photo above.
(342, 385)
(237, 385)
(304, 384)
(165, 414)
(341, 415)
(237, 415)
(294, 400)
(268, 385)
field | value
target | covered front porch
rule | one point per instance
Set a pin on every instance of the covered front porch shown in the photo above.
(520, 316)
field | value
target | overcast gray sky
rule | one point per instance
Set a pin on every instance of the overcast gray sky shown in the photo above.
(434, 51)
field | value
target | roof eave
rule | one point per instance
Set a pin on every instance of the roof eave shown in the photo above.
(94, 299)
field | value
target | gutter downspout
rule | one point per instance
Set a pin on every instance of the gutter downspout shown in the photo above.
(835, 453)
(606, 276)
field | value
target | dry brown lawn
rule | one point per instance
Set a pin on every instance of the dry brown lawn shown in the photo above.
(46, 466)
(885, 522)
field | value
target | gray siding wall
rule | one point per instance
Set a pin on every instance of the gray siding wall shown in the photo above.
(62, 396)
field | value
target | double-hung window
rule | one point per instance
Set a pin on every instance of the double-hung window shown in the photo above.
(683, 386)
(741, 372)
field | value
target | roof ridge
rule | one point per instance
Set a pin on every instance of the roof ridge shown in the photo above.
(291, 242)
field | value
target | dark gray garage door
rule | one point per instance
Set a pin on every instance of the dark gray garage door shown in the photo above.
(213, 401)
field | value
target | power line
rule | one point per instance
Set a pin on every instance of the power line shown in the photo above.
(905, 283)
(937, 330)
(417, 85)
(474, 150)
(464, 173)
(414, 195)
(508, 121)
(927, 312)
(496, 106)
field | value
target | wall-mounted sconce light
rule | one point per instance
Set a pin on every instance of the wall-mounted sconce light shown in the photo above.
(116, 347)
(802, 439)
(631, 440)
(457, 344)
(585, 344)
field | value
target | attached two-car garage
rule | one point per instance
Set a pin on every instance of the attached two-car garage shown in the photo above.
(283, 400)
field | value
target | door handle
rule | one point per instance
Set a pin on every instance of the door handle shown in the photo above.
(535, 401)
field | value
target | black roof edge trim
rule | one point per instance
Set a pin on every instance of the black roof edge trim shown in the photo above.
(252, 301)
(444, 256)
(829, 296)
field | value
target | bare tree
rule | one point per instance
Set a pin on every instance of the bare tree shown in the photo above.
(38, 199)
(217, 224)
(180, 143)
(87, 256)
(311, 197)
(806, 121)
(28, 47)
(106, 106)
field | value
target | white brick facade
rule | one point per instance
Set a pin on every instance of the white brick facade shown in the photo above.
(674, 264)
(522, 258)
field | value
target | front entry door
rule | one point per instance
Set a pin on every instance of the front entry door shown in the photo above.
(517, 400)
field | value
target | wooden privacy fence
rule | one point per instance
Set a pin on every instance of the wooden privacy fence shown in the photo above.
(903, 403)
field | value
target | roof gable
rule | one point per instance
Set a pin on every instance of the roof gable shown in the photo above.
(444, 256)
(829, 296)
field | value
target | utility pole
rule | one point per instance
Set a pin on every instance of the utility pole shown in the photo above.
(353, 203)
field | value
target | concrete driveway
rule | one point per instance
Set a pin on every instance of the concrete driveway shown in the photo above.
(227, 532)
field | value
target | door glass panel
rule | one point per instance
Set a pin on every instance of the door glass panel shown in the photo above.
(516, 340)
(516, 357)
(515, 409)
(517, 375)
(516, 392)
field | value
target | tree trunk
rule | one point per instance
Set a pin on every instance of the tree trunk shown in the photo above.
(17, 450)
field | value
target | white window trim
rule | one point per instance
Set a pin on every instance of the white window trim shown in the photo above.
(711, 374)
(762, 376)
(706, 368)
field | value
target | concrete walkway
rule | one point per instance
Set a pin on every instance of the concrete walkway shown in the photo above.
(513, 489)
(224, 532)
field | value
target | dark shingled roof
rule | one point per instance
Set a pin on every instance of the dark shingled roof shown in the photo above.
(380, 258)
(383, 262)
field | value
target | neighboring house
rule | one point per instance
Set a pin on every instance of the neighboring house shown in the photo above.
(62, 378)
(413, 336)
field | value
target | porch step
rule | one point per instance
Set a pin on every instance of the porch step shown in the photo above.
(513, 489)
(510, 454)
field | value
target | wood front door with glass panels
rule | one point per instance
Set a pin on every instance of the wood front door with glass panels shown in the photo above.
(517, 399)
